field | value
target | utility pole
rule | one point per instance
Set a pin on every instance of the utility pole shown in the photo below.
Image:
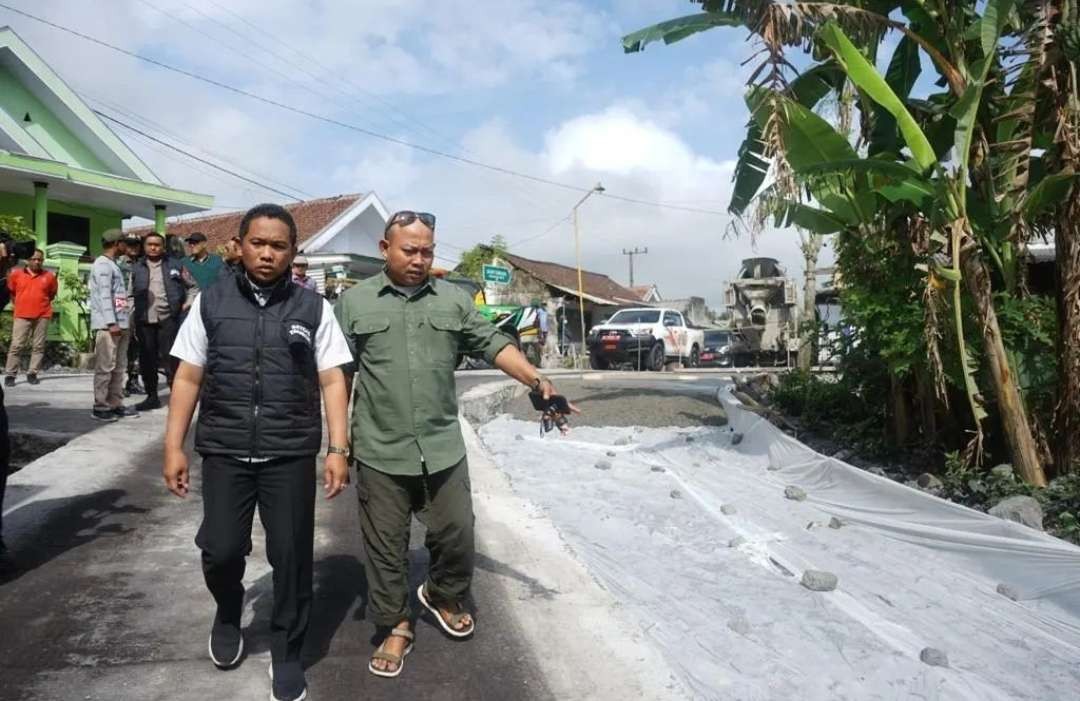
(577, 254)
(631, 255)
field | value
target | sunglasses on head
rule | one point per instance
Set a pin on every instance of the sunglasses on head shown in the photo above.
(406, 217)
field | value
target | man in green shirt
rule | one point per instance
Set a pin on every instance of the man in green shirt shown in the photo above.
(203, 265)
(407, 330)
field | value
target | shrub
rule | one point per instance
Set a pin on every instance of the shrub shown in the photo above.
(818, 402)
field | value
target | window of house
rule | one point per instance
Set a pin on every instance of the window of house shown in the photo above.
(69, 228)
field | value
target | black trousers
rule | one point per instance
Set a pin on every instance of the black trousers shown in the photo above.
(5, 458)
(133, 357)
(155, 342)
(284, 491)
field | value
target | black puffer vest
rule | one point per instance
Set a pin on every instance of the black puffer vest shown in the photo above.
(175, 291)
(260, 394)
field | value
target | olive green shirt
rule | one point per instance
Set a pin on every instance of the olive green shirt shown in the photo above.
(404, 400)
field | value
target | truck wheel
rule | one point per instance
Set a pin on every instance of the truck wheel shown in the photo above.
(597, 363)
(695, 357)
(656, 357)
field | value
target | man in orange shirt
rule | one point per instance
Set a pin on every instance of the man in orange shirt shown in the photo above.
(33, 289)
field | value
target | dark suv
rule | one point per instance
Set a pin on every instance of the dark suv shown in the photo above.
(725, 349)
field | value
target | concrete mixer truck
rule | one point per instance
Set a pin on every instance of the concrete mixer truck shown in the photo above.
(763, 306)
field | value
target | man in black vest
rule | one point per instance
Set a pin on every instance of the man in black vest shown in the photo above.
(259, 348)
(163, 290)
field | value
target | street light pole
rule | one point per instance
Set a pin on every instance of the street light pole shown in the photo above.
(577, 251)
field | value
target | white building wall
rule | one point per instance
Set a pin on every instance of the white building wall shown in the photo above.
(359, 237)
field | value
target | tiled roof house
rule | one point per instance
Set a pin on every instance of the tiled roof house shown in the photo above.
(339, 234)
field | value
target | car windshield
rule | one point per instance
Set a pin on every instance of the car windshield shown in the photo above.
(636, 316)
(717, 338)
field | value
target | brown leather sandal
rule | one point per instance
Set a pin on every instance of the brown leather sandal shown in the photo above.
(397, 660)
(450, 627)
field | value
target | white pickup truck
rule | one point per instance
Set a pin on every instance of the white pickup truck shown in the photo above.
(646, 337)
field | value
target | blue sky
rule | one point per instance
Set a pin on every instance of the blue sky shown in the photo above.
(539, 86)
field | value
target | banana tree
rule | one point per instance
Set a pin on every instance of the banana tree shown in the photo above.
(940, 192)
(791, 144)
(1055, 30)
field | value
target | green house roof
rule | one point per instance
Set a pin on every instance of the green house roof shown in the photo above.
(48, 134)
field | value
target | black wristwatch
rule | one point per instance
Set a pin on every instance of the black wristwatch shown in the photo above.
(540, 379)
(333, 449)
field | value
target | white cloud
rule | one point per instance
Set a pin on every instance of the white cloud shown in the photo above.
(633, 157)
(635, 146)
(621, 143)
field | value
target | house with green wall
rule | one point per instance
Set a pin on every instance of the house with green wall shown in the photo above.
(67, 175)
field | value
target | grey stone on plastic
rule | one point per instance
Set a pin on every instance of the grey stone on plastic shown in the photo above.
(879, 471)
(817, 580)
(622, 440)
(1008, 591)
(739, 625)
(843, 455)
(934, 657)
(835, 523)
(603, 465)
(676, 494)
(690, 439)
(519, 437)
(727, 509)
(773, 468)
(929, 483)
(611, 453)
(736, 541)
(657, 468)
(736, 438)
(794, 493)
(1002, 471)
(1023, 510)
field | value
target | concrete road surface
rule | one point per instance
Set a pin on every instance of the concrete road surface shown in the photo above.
(109, 602)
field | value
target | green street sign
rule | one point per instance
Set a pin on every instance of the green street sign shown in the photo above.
(497, 274)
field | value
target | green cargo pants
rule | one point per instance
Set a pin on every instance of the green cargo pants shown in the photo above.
(443, 503)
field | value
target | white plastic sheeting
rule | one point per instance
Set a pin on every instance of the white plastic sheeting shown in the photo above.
(734, 622)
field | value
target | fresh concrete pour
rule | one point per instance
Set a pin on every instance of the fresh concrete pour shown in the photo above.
(738, 569)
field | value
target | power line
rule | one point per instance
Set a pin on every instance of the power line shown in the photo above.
(232, 49)
(192, 156)
(151, 124)
(353, 127)
(188, 164)
(543, 233)
(403, 121)
(393, 110)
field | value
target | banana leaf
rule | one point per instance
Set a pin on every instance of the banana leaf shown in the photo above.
(865, 76)
(892, 180)
(1048, 193)
(787, 213)
(904, 69)
(678, 29)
